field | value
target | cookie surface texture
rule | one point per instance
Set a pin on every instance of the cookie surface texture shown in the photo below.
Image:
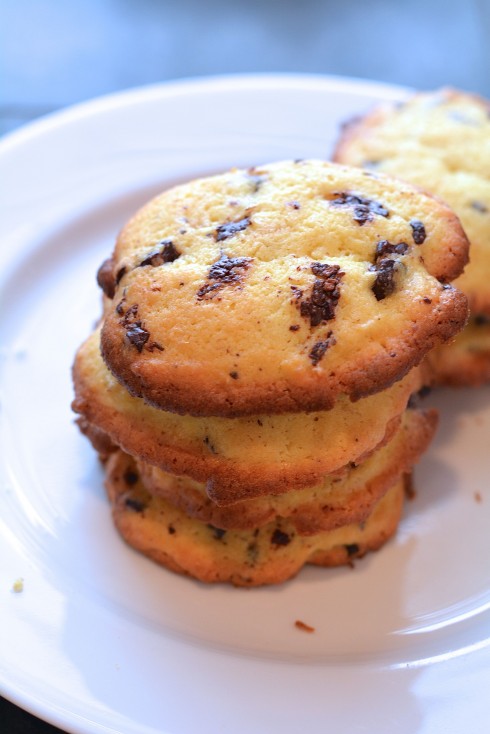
(279, 289)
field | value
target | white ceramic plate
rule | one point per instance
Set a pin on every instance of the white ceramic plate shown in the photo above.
(102, 640)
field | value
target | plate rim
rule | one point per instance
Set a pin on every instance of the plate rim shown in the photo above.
(190, 85)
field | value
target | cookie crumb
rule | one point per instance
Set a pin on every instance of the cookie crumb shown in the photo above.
(478, 497)
(18, 586)
(303, 626)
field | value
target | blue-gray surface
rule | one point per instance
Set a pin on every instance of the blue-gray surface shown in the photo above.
(57, 52)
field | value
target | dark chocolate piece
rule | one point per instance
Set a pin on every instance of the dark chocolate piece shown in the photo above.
(352, 549)
(418, 231)
(481, 320)
(321, 304)
(255, 179)
(209, 445)
(135, 505)
(225, 271)
(384, 248)
(120, 274)
(217, 532)
(166, 253)
(130, 477)
(155, 345)
(278, 537)
(318, 350)
(479, 207)
(228, 229)
(105, 278)
(137, 335)
(364, 209)
(384, 285)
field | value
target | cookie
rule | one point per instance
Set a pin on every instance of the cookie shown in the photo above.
(279, 289)
(336, 501)
(441, 142)
(466, 360)
(244, 457)
(268, 555)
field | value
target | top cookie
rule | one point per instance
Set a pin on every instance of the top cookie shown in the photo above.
(279, 288)
(440, 141)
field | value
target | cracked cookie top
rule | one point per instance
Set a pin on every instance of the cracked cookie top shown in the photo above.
(278, 289)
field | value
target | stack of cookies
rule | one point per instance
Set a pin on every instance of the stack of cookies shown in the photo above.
(441, 142)
(249, 387)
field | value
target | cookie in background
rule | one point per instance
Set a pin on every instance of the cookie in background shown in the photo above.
(440, 141)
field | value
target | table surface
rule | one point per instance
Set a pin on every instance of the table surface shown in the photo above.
(54, 54)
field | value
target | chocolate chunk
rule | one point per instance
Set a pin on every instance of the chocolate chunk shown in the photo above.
(120, 274)
(155, 345)
(321, 304)
(297, 292)
(318, 350)
(225, 271)
(294, 327)
(209, 445)
(105, 278)
(217, 532)
(418, 231)
(416, 398)
(166, 253)
(234, 375)
(231, 228)
(384, 248)
(135, 505)
(481, 320)
(278, 537)
(293, 204)
(352, 549)
(364, 209)
(130, 313)
(479, 207)
(130, 477)
(384, 285)
(255, 179)
(137, 335)
(171, 530)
